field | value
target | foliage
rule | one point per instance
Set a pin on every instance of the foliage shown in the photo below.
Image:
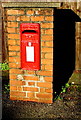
(4, 66)
(64, 90)
(6, 88)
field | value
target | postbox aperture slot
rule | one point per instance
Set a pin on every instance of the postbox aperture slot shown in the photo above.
(29, 31)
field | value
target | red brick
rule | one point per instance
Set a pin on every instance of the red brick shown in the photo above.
(48, 90)
(45, 73)
(35, 78)
(31, 95)
(13, 82)
(47, 37)
(28, 72)
(13, 76)
(30, 99)
(15, 12)
(16, 71)
(13, 88)
(17, 30)
(37, 18)
(42, 55)
(49, 18)
(13, 97)
(14, 48)
(19, 18)
(49, 44)
(49, 31)
(19, 88)
(48, 67)
(46, 61)
(49, 11)
(30, 12)
(49, 55)
(46, 25)
(13, 36)
(42, 89)
(11, 42)
(18, 42)
(31, 83)
(42, 31)
(40, 12)
(44, 12)
(12, 53)
(11, 30)
(18, 54)
(19, 98)
(42, 67)
(23, 18)
(12, 24)
(44, 95)
(12, 65)
(33, 89)
(31, 72)
(14, 59)
(18, 65)
(17, 82)
(42, 43)
(45, 84)
(47, 49)
(11, 18)
(17, 93)
(48, 79)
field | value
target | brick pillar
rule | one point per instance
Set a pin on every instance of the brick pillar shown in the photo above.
(24, 84)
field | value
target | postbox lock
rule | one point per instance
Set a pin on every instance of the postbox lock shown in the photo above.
(29, 43)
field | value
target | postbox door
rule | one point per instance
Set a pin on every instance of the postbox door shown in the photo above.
(30, 46)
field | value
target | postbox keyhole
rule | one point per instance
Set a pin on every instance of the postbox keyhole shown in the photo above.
(29, 31)
(29, 44)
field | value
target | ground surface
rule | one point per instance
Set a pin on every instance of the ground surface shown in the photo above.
(68, 108)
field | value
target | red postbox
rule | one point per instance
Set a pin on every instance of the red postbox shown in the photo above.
(30, 46)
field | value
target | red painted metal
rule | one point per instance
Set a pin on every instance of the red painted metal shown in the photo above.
(30, 35)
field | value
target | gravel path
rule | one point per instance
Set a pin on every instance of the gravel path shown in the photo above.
(68, 108)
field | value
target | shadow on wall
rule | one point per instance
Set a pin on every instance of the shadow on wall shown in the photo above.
(64, 46)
